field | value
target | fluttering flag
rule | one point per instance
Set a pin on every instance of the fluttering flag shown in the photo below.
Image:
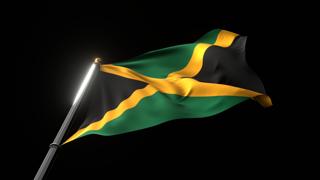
(193, 80)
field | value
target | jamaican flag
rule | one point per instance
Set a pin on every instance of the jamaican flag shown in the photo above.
(193, 80)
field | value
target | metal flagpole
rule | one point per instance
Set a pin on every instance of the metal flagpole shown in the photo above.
(57, 141)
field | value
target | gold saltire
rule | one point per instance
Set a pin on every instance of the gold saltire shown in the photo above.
(179, 82)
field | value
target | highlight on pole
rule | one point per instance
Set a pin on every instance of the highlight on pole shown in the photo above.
(86, 80)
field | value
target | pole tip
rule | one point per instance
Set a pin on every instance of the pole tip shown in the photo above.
(97, 60)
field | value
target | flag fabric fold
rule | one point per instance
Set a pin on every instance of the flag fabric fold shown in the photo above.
(192, 80)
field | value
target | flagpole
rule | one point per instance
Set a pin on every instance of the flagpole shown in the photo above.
(53, 147)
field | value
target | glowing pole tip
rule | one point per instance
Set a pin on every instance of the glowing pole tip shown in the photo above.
(97, 60)
(85, 82)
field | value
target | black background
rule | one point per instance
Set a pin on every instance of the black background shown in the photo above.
(58, 43)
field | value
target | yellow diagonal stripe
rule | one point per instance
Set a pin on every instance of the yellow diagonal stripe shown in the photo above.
(183, 86)
(224, 39)
(195, 63)
(128, 103)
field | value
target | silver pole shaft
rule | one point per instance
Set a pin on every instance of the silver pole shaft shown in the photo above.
(64, 127)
